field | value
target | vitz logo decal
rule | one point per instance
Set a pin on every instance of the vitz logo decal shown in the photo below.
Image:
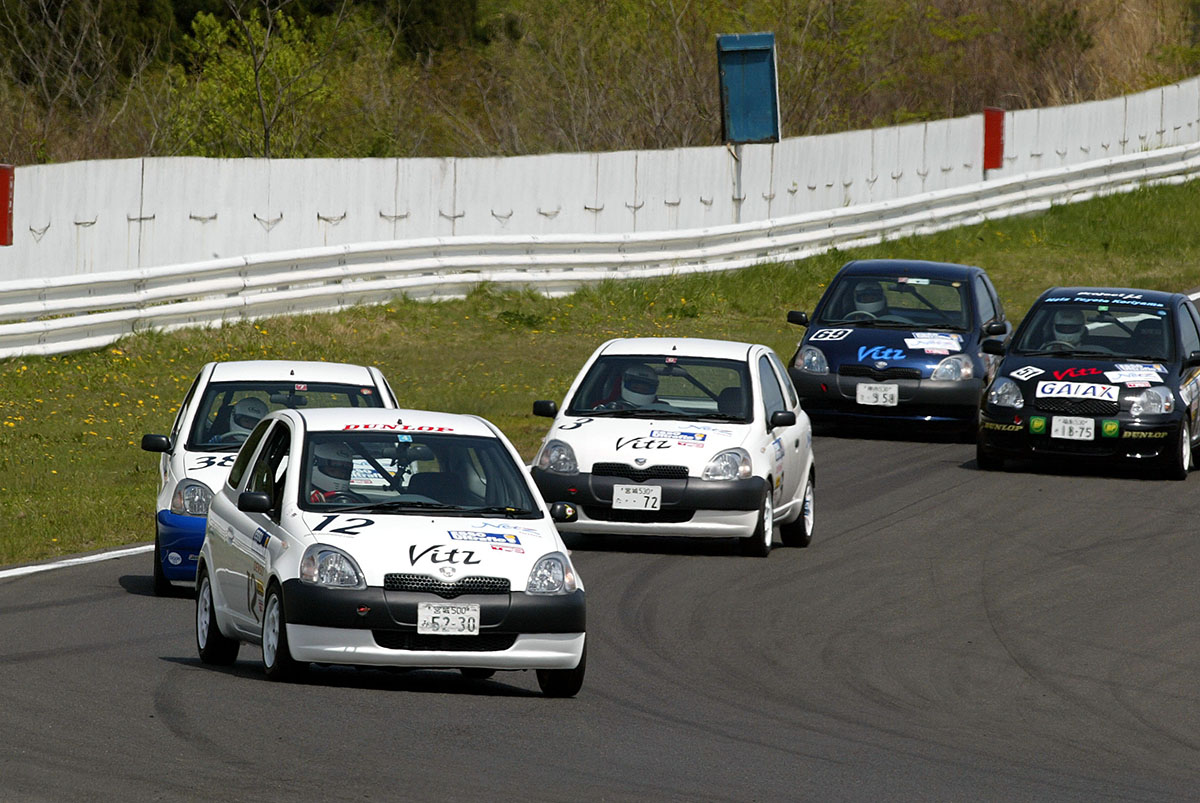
(879, 353)
(642, 443)
(1076, 373)
(436, 555)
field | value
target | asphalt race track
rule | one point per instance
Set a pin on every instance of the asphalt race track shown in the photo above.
(950, 635)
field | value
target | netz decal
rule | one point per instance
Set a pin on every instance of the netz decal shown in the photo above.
(642, 443)
(1144, 375)
(1078, 390)
(879, 353)
(830, 334)
(437, 554)
(1131, 434)
(1001, 427)
(1028, 372)
(467, 535)
(1141, 366)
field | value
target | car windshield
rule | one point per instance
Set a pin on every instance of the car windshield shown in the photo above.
(422, 473)
(1084, 328)
(900, 302)
(657, 386)
(229, 410)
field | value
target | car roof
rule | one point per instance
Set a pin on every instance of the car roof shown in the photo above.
(678, 346)
(904, 267)
(1114, 293)
(332, 419)
(288, 370)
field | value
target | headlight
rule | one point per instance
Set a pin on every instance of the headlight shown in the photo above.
(811, 360)
(191, 498)
(328, 566)
(954, 368)
(552, 574)
(1006, 393)
(558, 457)
(732, 464)
(1152, 401)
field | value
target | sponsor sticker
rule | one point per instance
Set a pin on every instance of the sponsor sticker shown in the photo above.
(1133, 376)
(1037, 425)
(1077, 390)
(1140, 434)
(911, 280)
(1110, 428)
(682, 438)
(1028, 372)
(301, 386)
(1141, 366)
(1137, 384)
(507, 548)
(497, 538)
(399, 427)
(1001, 427)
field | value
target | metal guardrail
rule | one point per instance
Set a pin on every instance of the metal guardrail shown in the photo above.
(54, 316)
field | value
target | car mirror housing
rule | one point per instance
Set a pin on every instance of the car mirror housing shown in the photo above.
(993, 347)
(156, 443)
(783, 418)
(995, 328)
(798, 317)
(254, 502)
(1191, 361)
(563, 512)
(545, 409)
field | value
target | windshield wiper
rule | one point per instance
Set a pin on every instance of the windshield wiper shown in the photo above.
(508, 511)
(394, 504)
(721, 417)
(1067, 353)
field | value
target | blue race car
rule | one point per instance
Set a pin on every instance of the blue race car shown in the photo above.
(896, 339)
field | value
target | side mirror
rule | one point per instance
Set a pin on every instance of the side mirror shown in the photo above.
(546, 409)
(156, 443)
(798, 317)
(783, 418)
(1190, 361)
(254, 502)
(563, 512)
(995, 328)
(993, 347)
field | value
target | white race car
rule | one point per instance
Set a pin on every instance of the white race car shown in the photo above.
(223, 404)
(681, 436)
(393, 538)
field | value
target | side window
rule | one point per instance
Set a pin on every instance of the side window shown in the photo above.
(784, 379)
(243, 458)
(183, 407)
(267, 473)
(1189, 336)
(772, 395)
(995, 297)
(987, 310)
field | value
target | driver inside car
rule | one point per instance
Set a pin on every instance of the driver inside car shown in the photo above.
(332, 464)
(246, 414)
(868, 298)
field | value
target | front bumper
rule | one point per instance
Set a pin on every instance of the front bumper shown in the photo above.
(1027, 433)
(179, 542)
(376, 627)
(689, 507)
(833, 397)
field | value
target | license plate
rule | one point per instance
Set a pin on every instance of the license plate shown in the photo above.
(880, 395)
(1073, 429)
(448, 618)
(637, 497)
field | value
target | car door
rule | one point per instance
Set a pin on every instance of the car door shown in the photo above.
(784, 444)
(1189, 380)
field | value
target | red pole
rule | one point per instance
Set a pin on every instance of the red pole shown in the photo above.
(6, 204)
(993, 138)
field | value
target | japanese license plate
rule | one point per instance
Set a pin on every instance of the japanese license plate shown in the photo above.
(448, 618)
(882, 395)
(637, 497)
(1072, 428)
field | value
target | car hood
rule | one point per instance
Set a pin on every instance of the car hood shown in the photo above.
(648, 442)
(909, 348)
(447, 548)
(1080, 378)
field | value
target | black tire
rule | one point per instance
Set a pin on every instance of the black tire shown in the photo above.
(276, 655)
(985, 458)
(162, 586)
(1178, 462)
(563, 682)
(213, 645)
(798, 533)
(475, 673)
(758, 543)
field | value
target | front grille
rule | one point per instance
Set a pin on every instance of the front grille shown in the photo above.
(640, 474)
(426, 642)
(670, 516)
(423, 583)
(878, 375)
(1077, 406)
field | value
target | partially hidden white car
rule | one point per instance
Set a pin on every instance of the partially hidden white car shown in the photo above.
(681, 437)
(222, 405)
(388, 538)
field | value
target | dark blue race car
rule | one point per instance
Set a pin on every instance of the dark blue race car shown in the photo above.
(1097, 372)
(896, 339)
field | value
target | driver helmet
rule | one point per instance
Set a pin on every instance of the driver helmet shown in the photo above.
(246, 413)
(639, 385)
(868, 297)
(1068, 326)
(332, 463)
